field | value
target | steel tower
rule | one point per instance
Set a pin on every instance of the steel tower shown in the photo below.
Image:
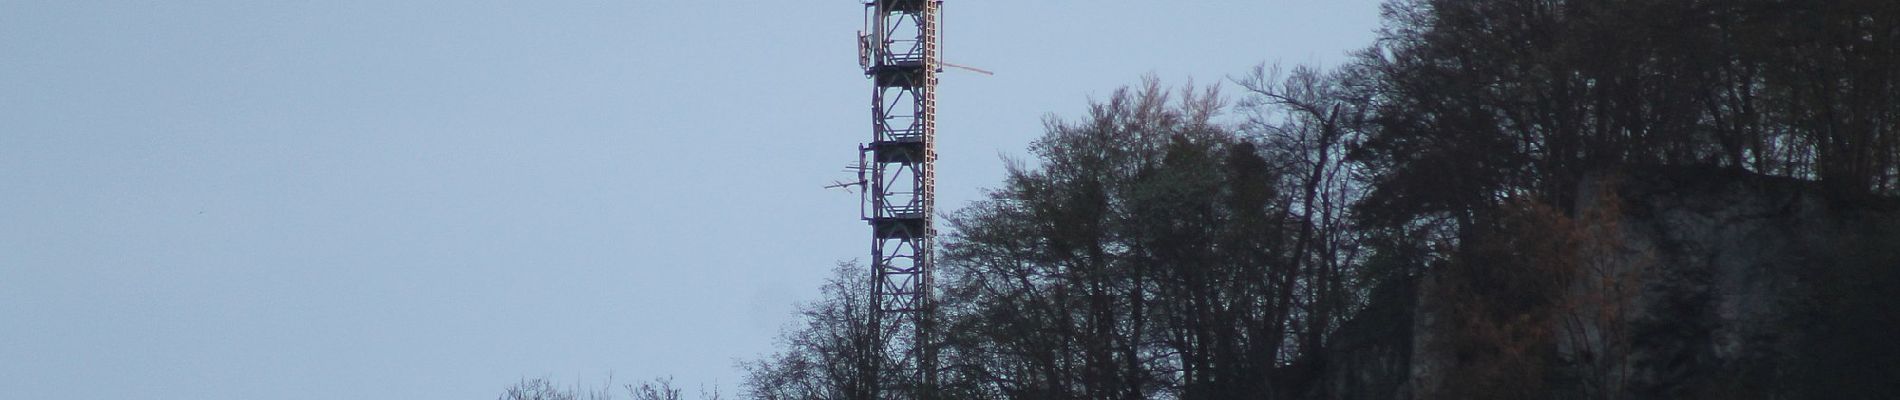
(898, 51)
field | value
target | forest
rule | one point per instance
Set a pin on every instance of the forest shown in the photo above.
(1211, 242)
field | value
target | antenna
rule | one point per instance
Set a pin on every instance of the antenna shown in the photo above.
(971, 69)
(940, 62)
(859, 168)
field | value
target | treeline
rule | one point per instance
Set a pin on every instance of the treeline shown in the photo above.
(1151, 252)
(1172, 245)
(1469, 102)
(544, 389)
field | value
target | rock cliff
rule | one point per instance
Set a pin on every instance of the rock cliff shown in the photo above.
(1746, 286)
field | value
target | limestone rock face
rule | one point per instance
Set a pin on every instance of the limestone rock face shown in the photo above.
(1732, 255)
(1749, 287)
(1370, 357)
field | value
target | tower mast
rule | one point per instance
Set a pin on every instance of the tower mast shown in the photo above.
(898, 51)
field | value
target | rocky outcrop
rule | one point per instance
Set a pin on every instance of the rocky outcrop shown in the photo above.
(1747, 286)
(1370, 356)
(1732, 266)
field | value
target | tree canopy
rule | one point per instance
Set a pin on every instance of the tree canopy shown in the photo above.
(1185, 244)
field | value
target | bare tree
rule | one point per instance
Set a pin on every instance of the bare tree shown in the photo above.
(544, 389)
(827, 356)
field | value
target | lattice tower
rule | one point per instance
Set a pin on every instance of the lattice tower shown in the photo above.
(898, 51)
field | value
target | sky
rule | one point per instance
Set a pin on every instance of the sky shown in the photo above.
(435, 199)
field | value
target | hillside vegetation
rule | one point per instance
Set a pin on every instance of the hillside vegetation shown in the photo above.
(1441, 197)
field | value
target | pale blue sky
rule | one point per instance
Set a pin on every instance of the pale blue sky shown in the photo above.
(389, 199)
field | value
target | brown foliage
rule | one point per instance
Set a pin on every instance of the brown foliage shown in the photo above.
(1537, 296)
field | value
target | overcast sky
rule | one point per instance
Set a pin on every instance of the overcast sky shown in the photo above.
(346, 199)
